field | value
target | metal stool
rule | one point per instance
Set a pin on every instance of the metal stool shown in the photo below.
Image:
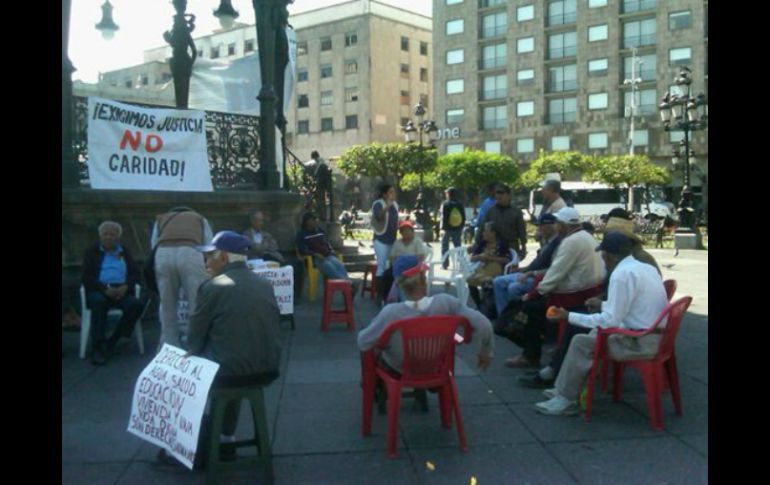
(330, 314)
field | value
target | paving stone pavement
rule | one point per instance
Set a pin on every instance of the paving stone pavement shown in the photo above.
(314, 413)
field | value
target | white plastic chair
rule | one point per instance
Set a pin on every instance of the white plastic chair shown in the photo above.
(85, 322)
(459, 270)
(513, 264)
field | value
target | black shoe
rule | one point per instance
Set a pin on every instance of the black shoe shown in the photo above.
(227, 452)
(98, 357)
(536, 382)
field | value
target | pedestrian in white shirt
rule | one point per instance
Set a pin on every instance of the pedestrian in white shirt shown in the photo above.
(636, 297)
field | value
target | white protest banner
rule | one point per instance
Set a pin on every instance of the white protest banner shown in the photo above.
(282, 280)
(134, 148)
(169, 400)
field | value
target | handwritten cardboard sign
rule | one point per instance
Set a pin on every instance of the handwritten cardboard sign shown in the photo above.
(282, 280)
(169, 400)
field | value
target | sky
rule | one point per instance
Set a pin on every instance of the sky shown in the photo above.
(142, 23)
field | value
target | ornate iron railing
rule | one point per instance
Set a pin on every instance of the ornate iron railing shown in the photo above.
(232, 140)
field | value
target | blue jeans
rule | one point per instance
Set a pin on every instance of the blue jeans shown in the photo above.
(455, 235)
(332, 268)
(507, 288)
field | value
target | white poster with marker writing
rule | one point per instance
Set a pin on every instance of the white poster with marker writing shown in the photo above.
(169, 400)
(282, 280)
(135, 148)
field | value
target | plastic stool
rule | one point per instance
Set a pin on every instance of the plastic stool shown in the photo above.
(220, 397)
(370, 288)
(330, 314)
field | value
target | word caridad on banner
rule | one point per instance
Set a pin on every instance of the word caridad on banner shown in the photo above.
(133, 148)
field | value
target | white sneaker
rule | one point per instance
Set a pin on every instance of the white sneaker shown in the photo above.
(549, 393)
(557, 406)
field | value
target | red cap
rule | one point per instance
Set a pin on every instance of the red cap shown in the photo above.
(407, 223)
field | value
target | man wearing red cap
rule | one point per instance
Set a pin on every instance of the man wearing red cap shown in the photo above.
(413, 284)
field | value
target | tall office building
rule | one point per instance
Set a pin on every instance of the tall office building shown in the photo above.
(518, 76)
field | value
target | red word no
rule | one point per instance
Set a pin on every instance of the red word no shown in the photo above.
(152, 143)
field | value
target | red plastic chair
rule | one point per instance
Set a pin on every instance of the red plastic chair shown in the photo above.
(658, 372)
(368, 285)
(570, 300)
(330, 314)
(428, 345)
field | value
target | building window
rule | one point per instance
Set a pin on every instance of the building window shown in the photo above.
(646, 102)
(562, 78)
(351, 95)
(646, 70)
(455, 148)
(424, 100)
(453, 2)
(562, 12)
(525, 77)
(559, 143)
(302, 74)
(248, 46)
(598, 67)
(302, 48)
(455, 57)
(524, 13)
(494, 118)
(675, 136)
(679, 56)
(525, 145)
(491, 3)
(405, 71)
(167, 77)
(303, 127)
(525, 108)
(639, 33)
(129, 83)
(326, 71)
(492, 147)
(638, 5)
(597, 32)
(562, 45)
(562, 111)
(214, 52)
(494, 87)
(351, 38)
(423, 48)
(641, 138)
(598, 101)
(597, 3)
(351, 122)
(145, 80)
(455, 27)
(405, 43)
(405, 98)
(302, 101)
(327, 98)
(423, 74)
(597, 141)
(326, 43)
(455, 86)
(524, 45)
(493, 56)
(455, 116)
(200, 52)
(679, 20)
(494, 25)
(231, 49)
(351, 67)
(327, 124)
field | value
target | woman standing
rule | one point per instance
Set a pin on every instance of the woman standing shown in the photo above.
(384, 224)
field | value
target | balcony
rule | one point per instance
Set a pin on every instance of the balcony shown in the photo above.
(630, 6)
(489, 94)
(559, 86)
(492, 62)
(638, 40)
(560, 118)
(495, 31)
(562, 52)
(495, 124)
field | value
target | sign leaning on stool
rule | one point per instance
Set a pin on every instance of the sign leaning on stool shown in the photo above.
(169, 400)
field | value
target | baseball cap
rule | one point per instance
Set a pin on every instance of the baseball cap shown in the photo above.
(568, 215)
(228, 241)
(409, 224)
(614, 242)
(546, 219)
(408, 266)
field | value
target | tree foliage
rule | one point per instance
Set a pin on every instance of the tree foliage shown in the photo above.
(381, 160)
(570, 165)
(623, 171)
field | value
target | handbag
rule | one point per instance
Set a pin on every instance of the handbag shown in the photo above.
(148, 271)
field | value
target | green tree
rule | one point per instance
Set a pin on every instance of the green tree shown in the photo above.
(624, 171)
(570, 165)
(380, 160)
(472, 170)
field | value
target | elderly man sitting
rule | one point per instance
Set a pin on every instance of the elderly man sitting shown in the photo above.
(109, 277)
(414, 286)
(636, 298)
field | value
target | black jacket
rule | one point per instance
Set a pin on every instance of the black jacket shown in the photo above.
(92, 265)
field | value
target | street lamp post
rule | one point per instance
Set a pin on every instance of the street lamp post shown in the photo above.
(687, 113)
(422, 128)
(633, 82)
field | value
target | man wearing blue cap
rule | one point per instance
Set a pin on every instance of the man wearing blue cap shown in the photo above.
(635, 299)
(236, 320)
(410, 276)
(515, 285)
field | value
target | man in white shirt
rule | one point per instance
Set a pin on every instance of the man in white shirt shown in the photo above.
(636, 298)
